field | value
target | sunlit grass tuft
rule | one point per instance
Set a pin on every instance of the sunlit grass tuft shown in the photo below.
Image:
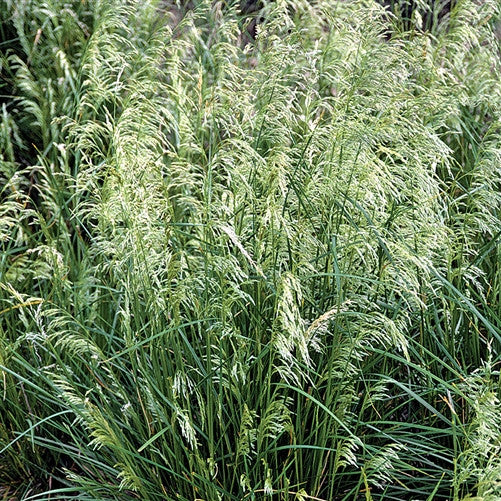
(234, 267)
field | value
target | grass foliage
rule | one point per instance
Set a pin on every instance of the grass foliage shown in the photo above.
(239, 269)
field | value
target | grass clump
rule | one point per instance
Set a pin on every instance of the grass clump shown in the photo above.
(238, 268)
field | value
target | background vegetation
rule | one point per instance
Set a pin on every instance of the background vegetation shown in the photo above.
(250, 252)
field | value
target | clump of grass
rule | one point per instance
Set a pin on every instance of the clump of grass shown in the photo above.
(239, 270)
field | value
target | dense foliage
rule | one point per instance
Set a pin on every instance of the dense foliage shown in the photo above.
(250, 253)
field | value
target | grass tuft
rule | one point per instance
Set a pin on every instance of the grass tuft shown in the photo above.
(250, 251)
